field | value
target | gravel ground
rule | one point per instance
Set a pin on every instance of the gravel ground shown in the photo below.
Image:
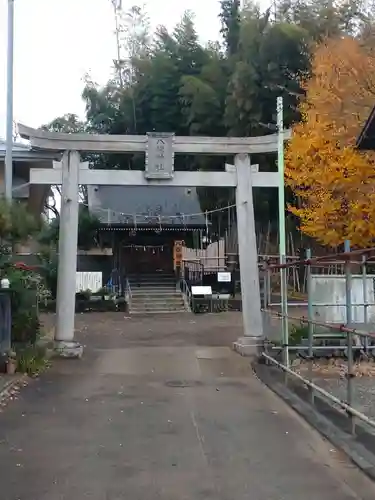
(364, 392)
(331, 376)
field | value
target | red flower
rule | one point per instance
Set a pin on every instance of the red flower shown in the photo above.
(23, 266)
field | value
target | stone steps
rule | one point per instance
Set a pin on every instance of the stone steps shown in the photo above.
(140, 308)
(152, 279)
(155, 294)
(162, 297)
(153, 289)
(144, 312)
(156, 307)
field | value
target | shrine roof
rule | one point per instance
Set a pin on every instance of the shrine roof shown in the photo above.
(146, 205)
(24, 152)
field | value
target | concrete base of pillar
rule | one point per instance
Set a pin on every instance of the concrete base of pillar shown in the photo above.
(64, 349)
(249, 346)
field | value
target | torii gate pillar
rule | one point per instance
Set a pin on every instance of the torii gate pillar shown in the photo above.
(250, 343)
(65, 344)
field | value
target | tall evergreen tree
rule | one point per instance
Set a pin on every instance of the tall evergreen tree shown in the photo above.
(230, 25)
(171, 82)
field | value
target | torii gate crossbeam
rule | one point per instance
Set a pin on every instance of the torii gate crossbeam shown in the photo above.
(70, 172)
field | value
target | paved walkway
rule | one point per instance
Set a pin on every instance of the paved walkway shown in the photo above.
(162, 409)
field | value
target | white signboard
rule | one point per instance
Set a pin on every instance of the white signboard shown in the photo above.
(201, 290)
(159, 156)
(224, 277)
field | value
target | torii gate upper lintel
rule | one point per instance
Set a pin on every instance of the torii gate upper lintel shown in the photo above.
(70, 172)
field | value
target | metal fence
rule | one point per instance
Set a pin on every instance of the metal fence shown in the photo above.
(352, 340)
(212, 257)
(296, 276)
(5, 321)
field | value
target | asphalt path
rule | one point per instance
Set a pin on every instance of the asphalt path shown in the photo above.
(161, 408)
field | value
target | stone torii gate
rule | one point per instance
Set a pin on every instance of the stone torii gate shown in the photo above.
(159, 149)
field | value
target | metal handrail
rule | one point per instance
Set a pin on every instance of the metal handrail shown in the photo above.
(325, 259)
(337, 327)
(353, 335)
(352, 411)
(186, 293)
(128, 293)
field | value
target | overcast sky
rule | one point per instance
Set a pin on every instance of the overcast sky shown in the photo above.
(58, 41)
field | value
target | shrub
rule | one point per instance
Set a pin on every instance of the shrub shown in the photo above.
(297, 333)
(26, 287)
(47, 268)
(31, 359)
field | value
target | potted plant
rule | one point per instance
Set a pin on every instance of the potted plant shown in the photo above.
(102, 293)
(11, 363)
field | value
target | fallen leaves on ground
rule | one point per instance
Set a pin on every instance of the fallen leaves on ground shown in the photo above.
(336, 368)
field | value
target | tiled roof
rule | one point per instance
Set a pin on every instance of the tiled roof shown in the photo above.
(24, 152)
(146, 205)
(17, 147)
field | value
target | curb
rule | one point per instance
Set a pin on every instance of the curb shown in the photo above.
(6, 390)
(356, 452)
(48, 342)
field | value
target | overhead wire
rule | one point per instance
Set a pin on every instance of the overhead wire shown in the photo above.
(160, 217)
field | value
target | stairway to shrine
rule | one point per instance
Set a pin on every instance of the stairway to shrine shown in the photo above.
(155, 293)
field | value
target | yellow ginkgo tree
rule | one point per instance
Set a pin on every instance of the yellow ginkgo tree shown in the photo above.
(333, 183)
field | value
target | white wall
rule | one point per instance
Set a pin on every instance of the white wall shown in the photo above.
(330, 289)
(89, 281)
(213, 257)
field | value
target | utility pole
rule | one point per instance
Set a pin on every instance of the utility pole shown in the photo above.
(9, 120)
(282, 236)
